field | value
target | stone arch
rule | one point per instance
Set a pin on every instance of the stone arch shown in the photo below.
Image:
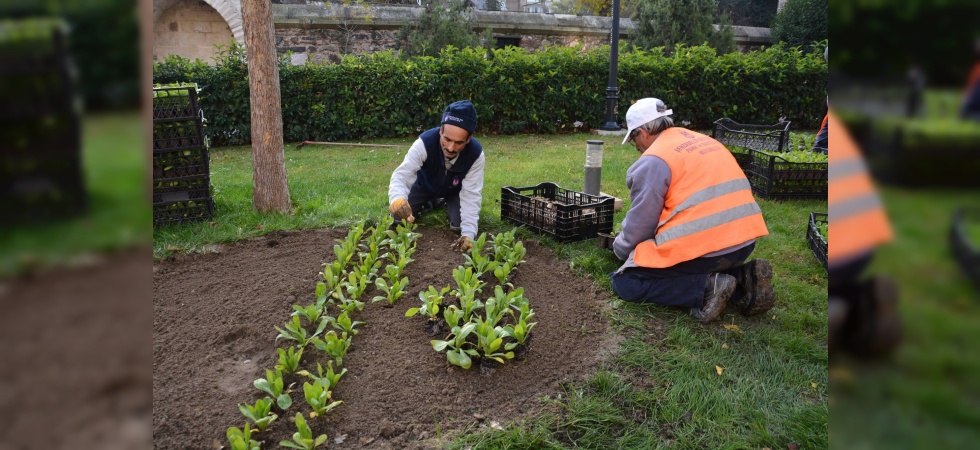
(230, 10)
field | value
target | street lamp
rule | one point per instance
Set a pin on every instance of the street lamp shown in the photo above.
(613, 89)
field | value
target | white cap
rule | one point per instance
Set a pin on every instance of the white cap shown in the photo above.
(643, 111)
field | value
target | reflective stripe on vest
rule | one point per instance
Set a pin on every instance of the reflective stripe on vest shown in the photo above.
(708, 205)
(856, 218)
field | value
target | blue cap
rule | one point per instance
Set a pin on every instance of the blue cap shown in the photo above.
(461, 114)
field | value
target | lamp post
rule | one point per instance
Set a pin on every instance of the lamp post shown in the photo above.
(613, 88)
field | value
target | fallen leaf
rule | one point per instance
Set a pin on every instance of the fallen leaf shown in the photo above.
(496, 425)
(813, 385)
(258, 227)
(313, 414)
(733, 328)
(719, 369)
(340, 439)
(724, 345)
(792, 446)
(773, 317)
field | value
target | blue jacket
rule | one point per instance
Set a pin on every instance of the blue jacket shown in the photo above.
(433, 176)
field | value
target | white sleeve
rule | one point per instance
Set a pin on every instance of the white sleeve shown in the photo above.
(404, 176)
(470, 198)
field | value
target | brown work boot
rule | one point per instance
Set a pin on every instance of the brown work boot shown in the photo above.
(878, 327)
(756, 279)
(717, 291)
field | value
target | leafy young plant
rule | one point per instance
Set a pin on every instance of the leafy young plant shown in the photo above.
(303, 437)
(260, 413)
(273, 385)
(241, 439)
(333, 345)
(393, 292)
(328, 379)
(357, 283)
(519, 331)
(289, 360)
(294, 331)
(344, 323)
(456, 348)
(312, 313)
(475, 258)
(318, 397)
(347, 305)
(431, 300)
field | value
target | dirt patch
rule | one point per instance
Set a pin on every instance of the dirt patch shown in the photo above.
(75, 356)
(213, 335)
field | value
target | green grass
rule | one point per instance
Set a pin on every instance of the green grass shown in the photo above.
(114, 168)
(773, 390)
(926, 395)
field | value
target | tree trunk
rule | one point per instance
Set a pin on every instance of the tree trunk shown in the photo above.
(270, 191)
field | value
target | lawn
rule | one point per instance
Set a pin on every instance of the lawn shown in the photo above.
(926, 394)
(114, 170)
(743, 383)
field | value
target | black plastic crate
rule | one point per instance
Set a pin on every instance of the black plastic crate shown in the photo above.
(770, 138)
(180, 164)
(175, 103)
(171, 191)
(182, 201)
(966, 250)
(775, 178)
(742, 157)
(565, 215)
(818, 245)
(178, 135)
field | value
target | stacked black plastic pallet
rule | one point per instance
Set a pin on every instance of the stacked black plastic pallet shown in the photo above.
(181, 172)
(40, 141)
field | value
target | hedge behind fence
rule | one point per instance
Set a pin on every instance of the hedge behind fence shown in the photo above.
(381, 95)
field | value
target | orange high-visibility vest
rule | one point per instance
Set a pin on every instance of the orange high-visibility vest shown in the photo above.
(857, 221)
(709, 204)
(973, 81)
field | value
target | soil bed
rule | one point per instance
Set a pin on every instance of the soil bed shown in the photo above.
(213, 335)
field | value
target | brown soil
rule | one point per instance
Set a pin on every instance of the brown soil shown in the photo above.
(213, 335)
(75, 356)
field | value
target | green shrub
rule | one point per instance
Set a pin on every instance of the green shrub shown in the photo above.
(383, 95)
(800, 23)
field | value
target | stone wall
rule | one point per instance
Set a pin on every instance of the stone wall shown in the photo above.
(189, 28)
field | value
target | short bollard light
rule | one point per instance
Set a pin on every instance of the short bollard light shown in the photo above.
(593, 166)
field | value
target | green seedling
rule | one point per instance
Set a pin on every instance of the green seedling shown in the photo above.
(289, 360)
(519, 331)
(241, 439)
(273, 385)
(431, 301)
(260, 413)
(452, 315)
(333, 275)
(303, 437)
(312, 313)
(393, 292)
(357, 283)
(500, 304)
(502, 243)
(294, 331)
(456, 351)
(502, 272)
(347, 305)
(476, 260)
(344, 323)
(489, 339)
(318, 397)
(333, 345)
(328, 379)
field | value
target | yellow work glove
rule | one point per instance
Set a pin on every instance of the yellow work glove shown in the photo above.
(463, 244)
(401, 209)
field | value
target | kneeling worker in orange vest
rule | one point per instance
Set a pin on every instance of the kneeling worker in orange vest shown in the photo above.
(862, 311)
(692, 224)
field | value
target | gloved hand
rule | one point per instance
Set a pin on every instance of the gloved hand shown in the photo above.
(463, 244)
(401, 209)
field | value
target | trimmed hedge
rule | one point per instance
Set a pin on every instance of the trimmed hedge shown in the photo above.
(382, 95)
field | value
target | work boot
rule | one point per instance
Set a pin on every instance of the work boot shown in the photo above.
(717, 291)
(755, 279)
(877, 325)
